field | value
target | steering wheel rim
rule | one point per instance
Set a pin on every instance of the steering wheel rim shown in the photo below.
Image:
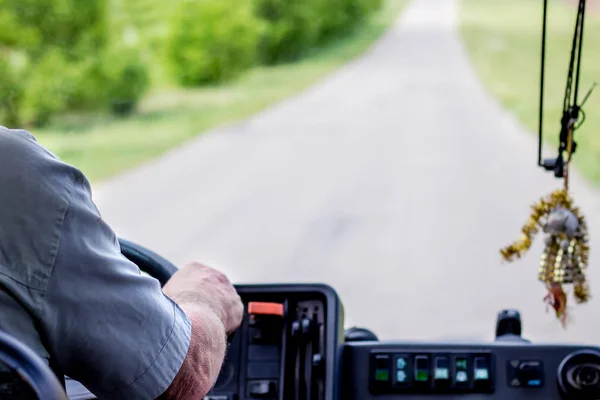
(28, 364)
(148, 261)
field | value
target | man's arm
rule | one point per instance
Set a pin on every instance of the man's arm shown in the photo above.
(205, 355)
(215, 309)
(133, 309)
(107, 325)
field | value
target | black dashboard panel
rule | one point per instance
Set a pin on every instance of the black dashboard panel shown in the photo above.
(290, 346)
(499, 370)
(286, 347)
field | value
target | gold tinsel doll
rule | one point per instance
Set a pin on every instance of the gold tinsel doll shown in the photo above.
(565, 256)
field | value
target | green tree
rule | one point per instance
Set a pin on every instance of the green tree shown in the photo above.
(11, 92)
(37, 25)
(212, 40)
(46, 90)
(126, 79)
(293, 27)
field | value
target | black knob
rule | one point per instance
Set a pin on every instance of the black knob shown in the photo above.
(584, 376)
(508, 323)
(530, 370)
(579, 375)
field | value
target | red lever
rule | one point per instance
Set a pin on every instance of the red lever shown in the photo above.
(258, 308)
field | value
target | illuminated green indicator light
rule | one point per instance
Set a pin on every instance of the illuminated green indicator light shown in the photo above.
(382, 375)
(461, 363)
(441, 373)
(482, 374)
(421, 376)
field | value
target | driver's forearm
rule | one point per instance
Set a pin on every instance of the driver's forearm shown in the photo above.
(205, 356)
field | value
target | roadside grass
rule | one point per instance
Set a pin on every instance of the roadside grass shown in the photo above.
(504, 39)
(102, 146)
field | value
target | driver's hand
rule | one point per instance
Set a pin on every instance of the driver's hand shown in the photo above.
(197, 283)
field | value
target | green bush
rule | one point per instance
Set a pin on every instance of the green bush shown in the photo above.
(76, 26)
(293, 27)
(357, 10)
(127, 79)
(47, 88)
(89, 84)
(11, 93)
(335, 19)
(212, 40)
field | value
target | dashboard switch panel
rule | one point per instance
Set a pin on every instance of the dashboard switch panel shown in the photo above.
(427, 372)
(286, 347)
(457, 371)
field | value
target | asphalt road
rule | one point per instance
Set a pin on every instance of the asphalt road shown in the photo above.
(396, 180)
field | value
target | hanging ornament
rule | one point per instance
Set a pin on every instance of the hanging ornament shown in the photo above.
(565, 257)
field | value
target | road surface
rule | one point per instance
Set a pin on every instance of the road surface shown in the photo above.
(396, 180)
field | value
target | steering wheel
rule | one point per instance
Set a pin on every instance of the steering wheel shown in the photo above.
(148, 261)
(23, 374)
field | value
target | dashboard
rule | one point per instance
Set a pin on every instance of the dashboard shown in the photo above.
(494, 371)
(291, 346)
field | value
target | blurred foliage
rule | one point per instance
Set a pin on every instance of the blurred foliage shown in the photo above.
(127, 79)
(46, 89)
(74, 56)
(295, 27)
(11, 92)
(77, 27)
(102, 145)
(212, 40)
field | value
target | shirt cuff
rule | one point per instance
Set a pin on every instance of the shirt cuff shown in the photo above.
(159, 376)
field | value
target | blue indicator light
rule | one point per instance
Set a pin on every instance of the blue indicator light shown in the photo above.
(534, 382)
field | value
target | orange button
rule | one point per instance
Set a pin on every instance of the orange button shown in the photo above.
(257, 308)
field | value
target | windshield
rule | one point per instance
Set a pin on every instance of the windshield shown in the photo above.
(384, 147)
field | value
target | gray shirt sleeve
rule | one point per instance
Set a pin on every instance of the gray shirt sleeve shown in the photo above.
(108, 326)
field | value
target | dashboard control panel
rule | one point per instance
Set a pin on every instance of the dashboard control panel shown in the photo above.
(286, 347)
(394, 370)
(292, 346)
(453, 371)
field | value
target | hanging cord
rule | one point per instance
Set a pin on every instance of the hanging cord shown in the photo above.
(542, 80)
(570, 107)
(573, 126)
(569, 155)
(571, 110)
